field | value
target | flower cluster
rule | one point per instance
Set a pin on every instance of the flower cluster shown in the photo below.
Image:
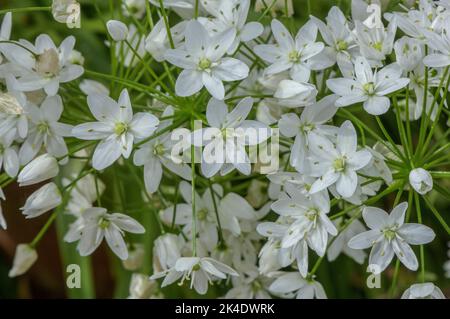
(163, 156)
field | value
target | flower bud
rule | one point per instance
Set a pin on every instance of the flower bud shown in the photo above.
(135, 258)
(117, 30)
(38, 170)
(141, 287)
(41, 201)
(24, 258)
(425, 290)
(421, 180)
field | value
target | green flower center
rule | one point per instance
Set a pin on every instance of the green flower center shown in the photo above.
(43, 127)
(307, 127)
(103, 223)
(294, 56)
(369, 88)
(159, 149)
(202, 213)
(120, 128)
(341, 45)
(196, 267)
(378, 46)
(339, 164)
(204, 64)
(389, 233)
(312, 214)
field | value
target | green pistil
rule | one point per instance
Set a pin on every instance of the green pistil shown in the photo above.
(312, 214)
(120, 128)
(342, 45)
(42, 127)
(378, 46)
(294, 56)
(103, 223)
(339, 164)
(196, 267)
(202, 213)
(389, 233)
(159, 150)
(369, 88)
(204, 64)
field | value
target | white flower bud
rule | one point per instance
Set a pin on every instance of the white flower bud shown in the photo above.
(425, 290)
(141, 287)
(135, 258)
(41, 201)
(76, 57)
(38, 170)
(117, 30)
(134, 8)
(10, 105)
(421, 181)
(89, 87)
(24, 258)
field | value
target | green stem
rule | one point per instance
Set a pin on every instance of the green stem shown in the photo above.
(28, 9)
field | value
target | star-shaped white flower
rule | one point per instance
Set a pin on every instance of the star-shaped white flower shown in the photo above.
(117, 128)
(389, 235)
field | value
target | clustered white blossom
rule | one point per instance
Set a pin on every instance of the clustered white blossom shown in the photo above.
(361, 112)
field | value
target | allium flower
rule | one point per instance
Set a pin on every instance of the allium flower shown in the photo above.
(339, 244)
(62, 9)
(204, 65)
(157, 42)
(389, 235)
(24, 258)
(117, 128)
(227, 136)
(341, 45)
(368, 87)
(99, 224)
(425, 290)
(41, 201)
(440, 42)
(135, 8)
(38, 170)
(337, 163)
(141, 287)
(408, 52)
(291, 54)
(45, 129)
(233, 14)
(47, 67)
(421, 180)
(200, 271)
(312, 119)
(294, 285)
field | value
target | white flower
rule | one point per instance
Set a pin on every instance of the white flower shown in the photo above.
(100, 224)
(135, 8)
(157, 42)
(201, 57)
(62, 9)
(156, 154)
(389, 235)
(368, 87)
(421, 180)
(337, 163)
(117, 128)
(408, 52)
(45, 130)
(340, 40)
(141, 287)
(375, 43)
(290, 54)
(200, 271)
(425, 290)
(295, 94)
(227, 136)
(24, 258)
(312, 119)
(339, 244)
(38, 170)
(233, 14)
(41, 201)
(310, 220)
(441, 44)
(293, 284)
(8, 153)
(47, 67)
(117, 30)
